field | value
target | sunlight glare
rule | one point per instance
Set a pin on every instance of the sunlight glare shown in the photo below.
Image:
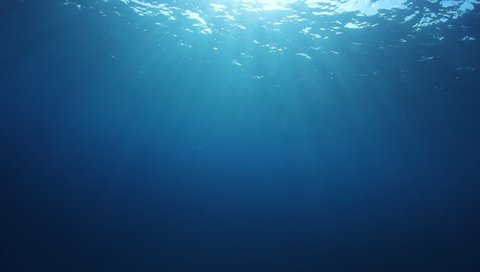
(271, 4)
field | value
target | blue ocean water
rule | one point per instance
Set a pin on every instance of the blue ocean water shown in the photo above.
(240, 135)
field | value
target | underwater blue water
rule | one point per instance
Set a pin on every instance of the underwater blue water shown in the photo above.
(240, 135)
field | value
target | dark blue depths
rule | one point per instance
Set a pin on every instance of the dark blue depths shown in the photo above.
(120, 155)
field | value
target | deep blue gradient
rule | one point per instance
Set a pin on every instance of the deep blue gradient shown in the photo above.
(120, 154)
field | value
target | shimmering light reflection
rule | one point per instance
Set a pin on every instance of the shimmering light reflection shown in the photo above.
(274, 25)
(308, 11)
